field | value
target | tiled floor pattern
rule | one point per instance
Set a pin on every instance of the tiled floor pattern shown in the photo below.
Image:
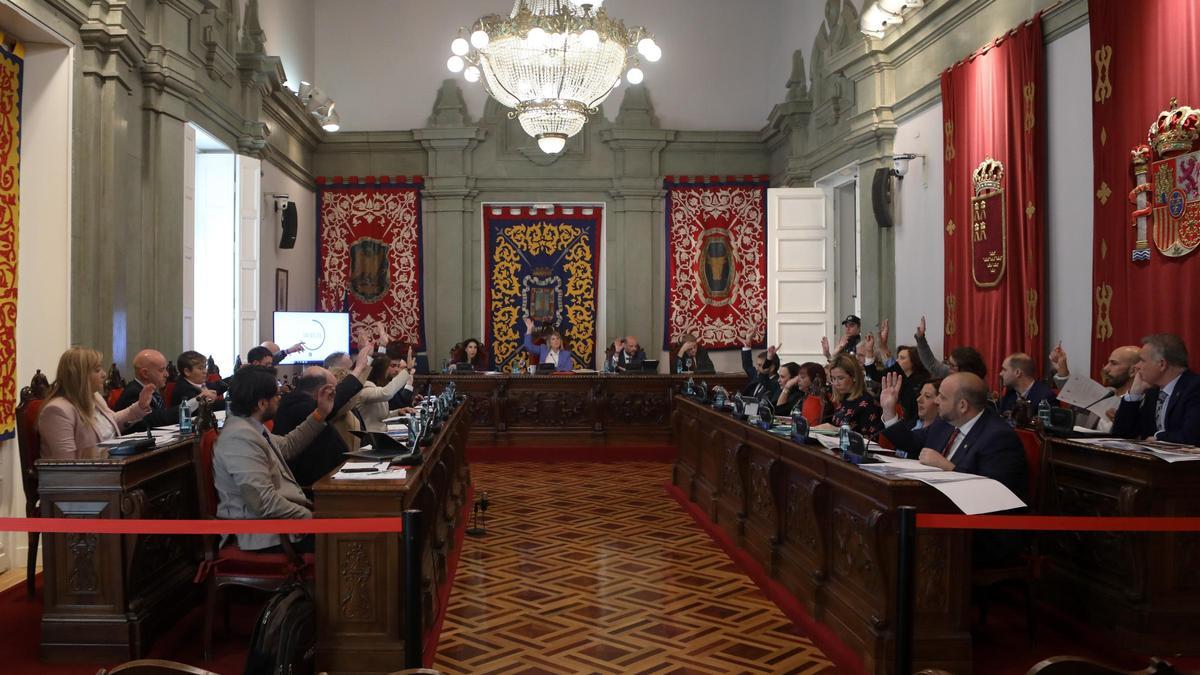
(592, 568)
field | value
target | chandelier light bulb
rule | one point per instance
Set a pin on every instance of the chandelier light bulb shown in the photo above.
(590, 39)
(471, 74)
(459, 47)
(635, 75)
(537, 37)
(480, 39)
(455, 64)
(552, 144)
(645, 45)
(653, 53)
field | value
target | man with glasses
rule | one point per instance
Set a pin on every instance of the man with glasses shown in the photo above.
(250, 468)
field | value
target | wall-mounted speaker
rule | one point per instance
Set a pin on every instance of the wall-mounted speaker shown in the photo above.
(290, 225)
(881, 198)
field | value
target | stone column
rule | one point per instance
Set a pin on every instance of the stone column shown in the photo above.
(451, 259)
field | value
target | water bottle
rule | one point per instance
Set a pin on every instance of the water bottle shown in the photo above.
(844, 440)
(1044, 412)
(516, 367)
(445, 366)
(800, 426)
(185, 421)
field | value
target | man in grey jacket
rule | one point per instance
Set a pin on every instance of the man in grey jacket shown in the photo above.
(250, 468)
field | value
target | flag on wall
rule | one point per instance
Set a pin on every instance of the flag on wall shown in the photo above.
(369, 254)
(544, 264)
(12, 73)
(994, 121)
(716, 260)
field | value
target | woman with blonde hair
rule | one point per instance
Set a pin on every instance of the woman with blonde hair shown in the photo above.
(75, 417)
(853, 406)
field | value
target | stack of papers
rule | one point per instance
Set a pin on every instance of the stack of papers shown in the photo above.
(1168, 452)
(971, 493)
(370, 471)
(163, 436)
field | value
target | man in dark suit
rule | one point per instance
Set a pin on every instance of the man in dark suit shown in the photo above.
(1163, 402)
(192, 380)
(763, 373)
(150, 369)
(903, 433)
(627, 356)
(1018, 376)
(973, 439)
(325, 452)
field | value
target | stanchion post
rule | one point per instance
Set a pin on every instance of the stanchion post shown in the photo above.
(904, 588)
(412, 589)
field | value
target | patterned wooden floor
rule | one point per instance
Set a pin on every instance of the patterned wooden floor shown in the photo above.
(593, 568)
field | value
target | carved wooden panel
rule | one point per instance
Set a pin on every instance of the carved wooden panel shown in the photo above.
(855, 554)
(933, 592)
(546, 409)
(356, 590)
(638, 408)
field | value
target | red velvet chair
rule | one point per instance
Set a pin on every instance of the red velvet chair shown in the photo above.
(1028, 569)
(229, 565)
(29, 444)
(813, 410)
(114, 396)
(167, 392)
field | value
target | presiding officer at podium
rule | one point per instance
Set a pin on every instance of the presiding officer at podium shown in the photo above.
(550, 352)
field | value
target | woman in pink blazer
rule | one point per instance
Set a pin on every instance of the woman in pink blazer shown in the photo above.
(75, 417)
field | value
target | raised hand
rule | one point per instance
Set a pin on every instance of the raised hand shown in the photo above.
(921, 328)
(325, 400)
(825, 347)
(869, 345)
(885, 332)
(618, 344)
(411, 361)
(889, 395)
(146, 397)
(1058, 358)
(772, 350)
(298, 347)
(842, 342)
(528, 325)
(363, 360)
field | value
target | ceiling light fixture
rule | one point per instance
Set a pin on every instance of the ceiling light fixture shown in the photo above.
(552, 62)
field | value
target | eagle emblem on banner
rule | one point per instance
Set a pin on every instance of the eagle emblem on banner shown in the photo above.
(989, 229)
(1167, 193)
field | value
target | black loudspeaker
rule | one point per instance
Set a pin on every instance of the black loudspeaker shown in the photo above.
(288, 239)
(881, 197)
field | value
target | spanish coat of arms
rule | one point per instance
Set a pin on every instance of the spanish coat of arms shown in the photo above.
(1167, 193)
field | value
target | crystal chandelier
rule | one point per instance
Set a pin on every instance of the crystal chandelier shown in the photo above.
(552, 62)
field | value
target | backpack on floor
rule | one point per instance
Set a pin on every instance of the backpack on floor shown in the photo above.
(285, 636)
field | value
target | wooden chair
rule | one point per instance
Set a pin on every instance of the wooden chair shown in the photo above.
(1076, 665)
(154, 667)
(1028, 569)
(225, 566)
(29, 445)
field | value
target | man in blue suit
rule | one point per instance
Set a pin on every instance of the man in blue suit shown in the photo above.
(1163, 403)
(972, 438)
(1019, 377)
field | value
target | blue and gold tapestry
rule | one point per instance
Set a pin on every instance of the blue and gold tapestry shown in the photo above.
(543, 264)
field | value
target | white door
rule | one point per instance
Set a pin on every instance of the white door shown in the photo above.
(800, 273)
(249, 200)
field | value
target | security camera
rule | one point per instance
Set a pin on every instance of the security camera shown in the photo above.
(900, 164)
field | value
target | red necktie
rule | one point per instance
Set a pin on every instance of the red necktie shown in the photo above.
(950, 443)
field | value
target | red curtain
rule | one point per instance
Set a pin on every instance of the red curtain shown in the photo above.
(993, 109)
(1143, 55)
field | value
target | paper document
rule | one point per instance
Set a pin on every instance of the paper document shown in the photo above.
(1168, 452)
(369, 471)
(1083, 392)
(1102, 407)
(1084, 430)
(395, 420)
(970, 493)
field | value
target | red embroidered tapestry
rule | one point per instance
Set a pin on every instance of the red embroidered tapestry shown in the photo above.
(716, 260)
(1145, 271)
(12, 71)
(994, 122)
(369, 255)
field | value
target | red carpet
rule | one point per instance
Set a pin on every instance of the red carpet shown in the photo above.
(576, 453)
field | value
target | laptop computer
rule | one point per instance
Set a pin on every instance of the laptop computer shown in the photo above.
(650, 366)
(383, 446)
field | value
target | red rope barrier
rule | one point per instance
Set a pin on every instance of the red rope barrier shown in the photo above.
(938, 521)
(133, 526)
